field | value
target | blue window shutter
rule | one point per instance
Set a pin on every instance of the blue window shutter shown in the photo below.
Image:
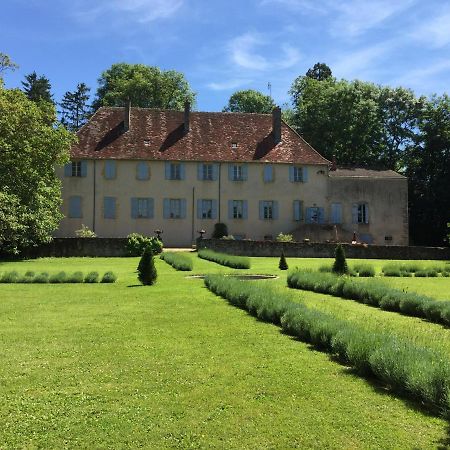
(68, 169)
(134, 208)
(297, 215)
(142, 171)
(166, 208)
(215, 172)
(214, 209)
(183, 208)
(151, 207)
(355, 213)
(321, 215)
(75, 207)
(291, 173)
(309, 214)
(182, 171)
(230, 171)
(83, 168)
(305, 174)
(167, 170)
(268, 173)
(336, 213)
(367, 213)
(200, 171)
(109, 207)
(261, 209)
(245, 209)
(199, 208)
(244, 172)
(230, 209)
(275, 210)
(110, 170)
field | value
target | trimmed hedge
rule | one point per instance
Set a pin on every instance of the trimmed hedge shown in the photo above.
(56, 278)
(177, 260)
(419, 372)
(413, 269)
(373, 293)
(236, 262)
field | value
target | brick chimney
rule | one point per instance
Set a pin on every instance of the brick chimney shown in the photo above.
(127, 116)
(333, 166)
(276, 124)
(187, 111)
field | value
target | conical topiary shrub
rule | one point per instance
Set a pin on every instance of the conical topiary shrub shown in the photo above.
(283, 264)
(146, 269)
(340, 264)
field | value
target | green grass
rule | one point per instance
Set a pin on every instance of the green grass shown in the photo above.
(172, 366)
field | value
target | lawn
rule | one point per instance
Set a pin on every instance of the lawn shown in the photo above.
(173, 366)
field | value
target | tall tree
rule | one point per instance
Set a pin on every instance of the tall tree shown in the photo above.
(74, 108)
(144, 86)
(37, 88)
(319, 72)
(250, 101)
(428, 171)
(30, 192)
(6, 64)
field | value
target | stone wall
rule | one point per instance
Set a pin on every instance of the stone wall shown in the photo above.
(323, 250)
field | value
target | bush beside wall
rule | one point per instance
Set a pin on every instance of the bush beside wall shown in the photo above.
(236, 262)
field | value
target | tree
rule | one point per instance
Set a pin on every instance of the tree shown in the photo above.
(220, 230)
(283, 265)
(144, 86)
(6, 64)
(147, 274)
(340, 263)
(37, 88)
(319, 72)
(30, 147)
(250, 101)
(74, 108)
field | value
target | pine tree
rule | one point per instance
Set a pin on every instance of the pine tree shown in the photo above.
(340, 264)
(283, 265)
(37, 88)
(74, 108)
(146, 269)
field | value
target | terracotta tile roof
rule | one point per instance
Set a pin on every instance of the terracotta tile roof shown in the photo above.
(159, 135)
(363, 173)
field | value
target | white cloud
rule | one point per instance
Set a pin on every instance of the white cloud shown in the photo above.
(435, 31)
(424, 78)
(228, 84)
(143, 11)
(243, 52)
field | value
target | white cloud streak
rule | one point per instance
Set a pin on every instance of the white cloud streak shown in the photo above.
(434, 31)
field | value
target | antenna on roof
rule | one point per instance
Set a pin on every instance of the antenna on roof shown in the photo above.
(269, 87)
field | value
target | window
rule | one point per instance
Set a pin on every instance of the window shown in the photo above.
(175, 208)
(268, 209)
(109, 207)
(336, 213)
(75, 207)
(234, 145)
(142, 208)
(142, 171)
(298, 174)
(315, 214)
(175, 171)
(206, 209)
(110, 170)
(208, 172)
(360, 213)
(238, 209)
(76, 168)
(237, 173)
(268, 173)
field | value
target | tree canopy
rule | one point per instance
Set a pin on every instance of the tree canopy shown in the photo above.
(250, 101)
(37, 88)
(144, 86)
(74, 108)
(30, 192)
(319, 72)
(6, 63)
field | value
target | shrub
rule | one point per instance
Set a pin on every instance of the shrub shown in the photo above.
(283, 265)
(109, 277)
(27, 278)
(9, 277)
(364, 270)
(178, 261)
(236, 262)
(59, 277)
(340, 263)
(403, 366)
(146, 269)
(91, 277)
(85, 232)
(137, 243)
(220, 230)
(285, 237)
(76, 277)
(41, 278)
(325, 268)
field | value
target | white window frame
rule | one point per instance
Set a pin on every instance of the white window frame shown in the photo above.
(207, 206)
(238, 209)
(76, 169)
(238, 172)
(267, 209)
(298, 174)
(207, 171)
(363, 213)
(175, 208)
(175, 171)
(143, 208)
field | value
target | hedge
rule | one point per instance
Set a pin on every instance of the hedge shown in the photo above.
(56, 278)
(404, 367)
(236, 262)
(177, 260)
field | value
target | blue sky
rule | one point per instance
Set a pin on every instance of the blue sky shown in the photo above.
(223, 46)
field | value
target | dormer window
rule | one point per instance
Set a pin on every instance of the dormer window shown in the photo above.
(234, 145)
(146, 142)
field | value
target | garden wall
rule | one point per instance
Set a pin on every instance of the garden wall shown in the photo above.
(322, 250)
